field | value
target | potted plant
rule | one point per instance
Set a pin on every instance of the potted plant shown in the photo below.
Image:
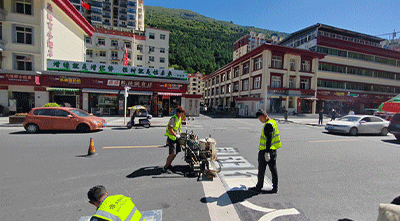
(18, 118)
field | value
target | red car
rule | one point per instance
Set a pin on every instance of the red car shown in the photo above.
(61, 118)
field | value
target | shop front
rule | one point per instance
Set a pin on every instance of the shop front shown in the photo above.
(343, 101)
(17, 92)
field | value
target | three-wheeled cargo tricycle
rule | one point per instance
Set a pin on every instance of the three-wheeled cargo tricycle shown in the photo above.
(139, 116)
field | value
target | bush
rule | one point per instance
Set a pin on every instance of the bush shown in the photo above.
(51, 105)
(21, 114)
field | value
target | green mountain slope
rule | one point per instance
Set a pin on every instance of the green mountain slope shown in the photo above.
(198, 43)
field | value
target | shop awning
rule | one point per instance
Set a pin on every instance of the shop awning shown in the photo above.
(105, 91)
(62, 89)
(100, 91)
(169, 94)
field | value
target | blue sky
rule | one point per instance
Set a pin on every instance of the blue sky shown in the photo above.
(373, 17)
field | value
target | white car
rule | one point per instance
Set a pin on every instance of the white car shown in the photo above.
(358, 124)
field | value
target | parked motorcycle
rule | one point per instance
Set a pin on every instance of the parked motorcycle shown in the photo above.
(139, 116)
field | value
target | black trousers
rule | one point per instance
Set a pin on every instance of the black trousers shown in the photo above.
(262, 166)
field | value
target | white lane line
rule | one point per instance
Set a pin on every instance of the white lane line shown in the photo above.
(256, 208)
(278, 213)
(219, 204)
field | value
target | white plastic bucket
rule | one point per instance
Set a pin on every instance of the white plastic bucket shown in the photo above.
(203, 144)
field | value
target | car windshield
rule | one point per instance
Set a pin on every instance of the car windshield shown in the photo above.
(80, 113)
(349, 118)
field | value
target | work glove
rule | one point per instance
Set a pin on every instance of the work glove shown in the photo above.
(178, 136)
(267, 156)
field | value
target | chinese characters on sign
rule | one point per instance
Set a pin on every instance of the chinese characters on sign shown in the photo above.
(113, 83)
(136, 84)
(60, 65)
(69, 80)
(18, 77)
(50, 29)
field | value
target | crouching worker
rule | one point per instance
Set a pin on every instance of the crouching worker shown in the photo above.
(112, 208)
(172, 132)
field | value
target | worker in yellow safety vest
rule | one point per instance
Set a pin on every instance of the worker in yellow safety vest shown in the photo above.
(112, 208)
(173, 133)
(270, 141)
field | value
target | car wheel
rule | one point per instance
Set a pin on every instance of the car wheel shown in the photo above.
(147, 125)
(353, 131)
(83, 128)
(384, 131)
(32, 128)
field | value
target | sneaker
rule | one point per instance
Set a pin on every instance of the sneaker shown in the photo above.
(255, 189)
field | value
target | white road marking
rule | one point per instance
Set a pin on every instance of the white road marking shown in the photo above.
(219, 204)
(256, 208)
(278, 213)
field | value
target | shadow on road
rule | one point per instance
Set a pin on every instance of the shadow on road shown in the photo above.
(392, 141)
(235, 196)
(181, 170)
(55, 132)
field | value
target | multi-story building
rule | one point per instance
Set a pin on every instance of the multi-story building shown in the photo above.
(122, 14)
(44, 59)
(149, 49)
(269, 77)
(31, 33)
(356, 73)
(248, 43)
(196, 84)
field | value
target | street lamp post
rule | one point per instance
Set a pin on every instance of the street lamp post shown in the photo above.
(126, 98)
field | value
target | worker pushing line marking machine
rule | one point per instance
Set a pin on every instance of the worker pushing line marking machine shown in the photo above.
(199, 154)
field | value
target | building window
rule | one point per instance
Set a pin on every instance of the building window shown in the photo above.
(151, 49)
(23, 7)
(114, 62)
(246, 68)
(276, 81)
(236, 72)
(151, 35)
(162, 60)
(223, 78)
(101, 41)
(114, 43)
(162, 36)
(139, 48)
(305, 84)
(257, 82)
(103, 54)
(245, 85)
(292, 82)
(23, 63)
(128, 44)
(89, 53)
(23, 35)
(162, 50)
(88, 40)
(306, 66)
(114, 55)
(258, 63)
(292, 64)
(139, 57)
(276, 61)
(228, 88)
(151, 58)
(228, 75)
(236, 86)
(222, 90)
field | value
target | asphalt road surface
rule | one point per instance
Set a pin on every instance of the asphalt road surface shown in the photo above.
(321, 176)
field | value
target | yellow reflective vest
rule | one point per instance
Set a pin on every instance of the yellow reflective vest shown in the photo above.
(276, 139)
(118, 208)
(178, 125)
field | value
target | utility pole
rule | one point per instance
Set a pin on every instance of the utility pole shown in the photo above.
(126, 98)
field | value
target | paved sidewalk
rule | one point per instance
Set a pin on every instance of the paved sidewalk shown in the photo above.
(118, 121)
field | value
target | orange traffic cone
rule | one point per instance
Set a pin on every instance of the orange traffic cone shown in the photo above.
(91, 150)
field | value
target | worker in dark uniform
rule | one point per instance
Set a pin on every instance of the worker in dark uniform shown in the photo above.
(270, 141)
